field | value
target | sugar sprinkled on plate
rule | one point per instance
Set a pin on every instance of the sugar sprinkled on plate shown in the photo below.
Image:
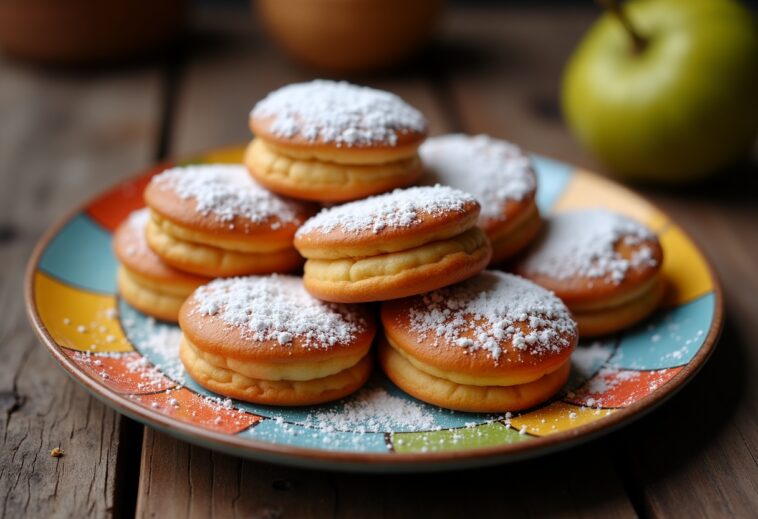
(493, 170)
(338, 112)
(583, 243)
(372, 409)
(278, 308)
(227, 191)
(489, 310)
(402, 208)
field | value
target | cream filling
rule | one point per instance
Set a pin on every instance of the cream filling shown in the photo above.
(158, 304)
(359, 269)
(625, 298)
(468, 379)
(249, 244)
(466, 397)
(323, 175)
(212, 261)
(507, 244)
(180, 289)
(342, 155)
(277, 392)
(295, 370)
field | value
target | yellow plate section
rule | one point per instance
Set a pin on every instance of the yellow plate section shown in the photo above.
(230, 155)
(587, 190)
(557, 417)
(684, 268)
(77, 319)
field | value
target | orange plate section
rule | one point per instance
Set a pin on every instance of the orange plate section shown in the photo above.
(114, 206)
(620, 388)
(121, 372)
(187, 406)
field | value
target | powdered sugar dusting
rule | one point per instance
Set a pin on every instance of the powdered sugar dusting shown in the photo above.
(399, 209)
(493, 170)
(583, 243)
(136, 222)
(338, 112)
(227, 191)
(375, 410)
(278, 308)
(489, 311)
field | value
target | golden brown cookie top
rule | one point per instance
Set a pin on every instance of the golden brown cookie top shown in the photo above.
(273, 319)
(130, 246)
(337, 114)
(586, 255)
(223, 199)
(393, 221)
(496, 172)
(494, 323)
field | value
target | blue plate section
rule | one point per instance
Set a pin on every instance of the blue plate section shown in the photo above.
(283, 434)
(587, 359)
(669, 339)
(81, 255)
(142, 332)
(552, 178)
(443, 418)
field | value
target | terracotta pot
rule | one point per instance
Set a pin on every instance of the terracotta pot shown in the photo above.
(77, 31)
(349, 35)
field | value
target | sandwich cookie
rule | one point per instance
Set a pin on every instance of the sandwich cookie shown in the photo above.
(604, 266)
(501, 178)
(333, 142)
(215, 220)
(393, 245)
(144, 281)
(266, 340)
(494, 343)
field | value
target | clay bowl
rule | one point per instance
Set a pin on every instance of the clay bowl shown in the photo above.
(343, 36)
(85, 31)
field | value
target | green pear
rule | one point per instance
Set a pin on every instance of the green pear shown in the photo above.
(666, 90)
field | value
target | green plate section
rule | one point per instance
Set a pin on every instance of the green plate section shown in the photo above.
(485, 435)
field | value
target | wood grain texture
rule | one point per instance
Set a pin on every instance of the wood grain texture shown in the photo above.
(62, 139)
(696, 456)
(182, 480)
(701, 451)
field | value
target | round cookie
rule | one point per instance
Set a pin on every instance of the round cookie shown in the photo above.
(604, 266)
(494, 343)
(266, 340)
(144, 281)
(393, 245)
(215, 220)
(332, 141)
(501, 178)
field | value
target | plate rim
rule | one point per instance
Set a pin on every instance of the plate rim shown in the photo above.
(368, 461)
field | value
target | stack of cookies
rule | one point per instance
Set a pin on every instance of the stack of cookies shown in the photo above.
(418, 223)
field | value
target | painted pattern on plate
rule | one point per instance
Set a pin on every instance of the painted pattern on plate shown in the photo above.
(135, 356)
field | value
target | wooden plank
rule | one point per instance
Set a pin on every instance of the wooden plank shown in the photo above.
(216, 91)
(230, 66)
(504, 71)
(225, 75)
(62, 139)
(182, 480)
(696, 457)
(700, 452)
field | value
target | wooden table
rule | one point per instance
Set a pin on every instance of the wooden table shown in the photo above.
(66, 135)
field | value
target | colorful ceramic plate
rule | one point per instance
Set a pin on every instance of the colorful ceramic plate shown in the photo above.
(129, 361)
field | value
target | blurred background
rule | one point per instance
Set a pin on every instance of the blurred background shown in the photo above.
(661, 95)
(658, 92)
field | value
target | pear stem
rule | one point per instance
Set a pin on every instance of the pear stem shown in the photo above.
(638, 42)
